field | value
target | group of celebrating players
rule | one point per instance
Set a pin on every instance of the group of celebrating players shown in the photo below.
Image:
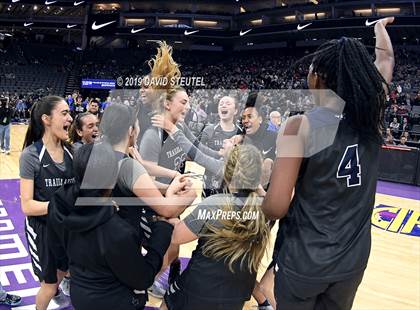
(103, 197)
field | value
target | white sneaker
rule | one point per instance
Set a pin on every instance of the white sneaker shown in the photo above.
(157, 290)
(8, 152)
(65, 286)
(60, 301)
(1, 150)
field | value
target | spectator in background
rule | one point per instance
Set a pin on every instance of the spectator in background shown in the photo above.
(105, 104)
(200, 113)
(5, 117)
(86, 101)
(389, 138)
(405, 125)
(394, 126)
(275, 121)
(406, 135)
(78, 107)
(417, 99)
(21, 110)
(93, 108)
(70, 100)
(403, 141)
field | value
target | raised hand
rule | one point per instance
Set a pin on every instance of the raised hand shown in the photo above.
(161, 122)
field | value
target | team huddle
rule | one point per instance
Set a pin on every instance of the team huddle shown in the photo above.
(104, 194)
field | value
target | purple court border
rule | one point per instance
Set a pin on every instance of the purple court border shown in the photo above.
(399, 190)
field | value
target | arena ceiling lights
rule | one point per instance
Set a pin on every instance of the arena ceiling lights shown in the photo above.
(168, 22)
(256, 22)
(205, 23)
(134, 21)
(106, 6)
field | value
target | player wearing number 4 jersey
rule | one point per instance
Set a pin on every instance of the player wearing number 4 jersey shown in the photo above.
(325, 238)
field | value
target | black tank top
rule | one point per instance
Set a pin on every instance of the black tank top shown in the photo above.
(220, 284)
(326, 233)
(139, 216)
(50, 177)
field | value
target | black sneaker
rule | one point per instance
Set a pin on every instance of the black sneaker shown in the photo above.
(174, 271)
(11, 300)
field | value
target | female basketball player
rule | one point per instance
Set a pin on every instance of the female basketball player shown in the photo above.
(214, 135)
(83, 130)
(45, 165)
(120, 128)
(109, 271)
(157, 150)
(156, 147)
(325, 237)
(222, 271)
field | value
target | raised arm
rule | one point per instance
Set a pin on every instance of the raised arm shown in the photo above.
(199, 145)
(211, 164)
(384, 52)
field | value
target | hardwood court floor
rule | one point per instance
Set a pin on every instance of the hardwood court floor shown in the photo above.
(392, 279)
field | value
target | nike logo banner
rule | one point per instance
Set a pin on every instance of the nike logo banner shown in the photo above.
(368, 23)
(187, 33)
(103, 24)
(242, 33)
(299, 27)
(96, 27)
(137, 30)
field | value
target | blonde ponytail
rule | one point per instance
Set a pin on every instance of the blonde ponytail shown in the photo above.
(244, 238)
(164, 66)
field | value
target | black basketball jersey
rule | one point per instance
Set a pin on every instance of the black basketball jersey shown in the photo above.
(213, 183)
(144, 116)
(131, 208)
(220, 284)
(264, 141)
(217, 135)
(171, 155)
(50, 177)
(326, 233)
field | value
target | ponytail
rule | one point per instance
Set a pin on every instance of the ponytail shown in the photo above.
(244, 240)
(245, 237)
(36, 127)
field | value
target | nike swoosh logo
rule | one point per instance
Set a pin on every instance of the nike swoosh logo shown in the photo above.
(242, 33)
(96, 27)
(77, 3)
(299, 27)
(71, 26)
(187, 33)
(14, 1)
(49, 2)
(8, 34)
(368, 23)
(136, 30)
(45, 166)
(27, 24)
(266, 152)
